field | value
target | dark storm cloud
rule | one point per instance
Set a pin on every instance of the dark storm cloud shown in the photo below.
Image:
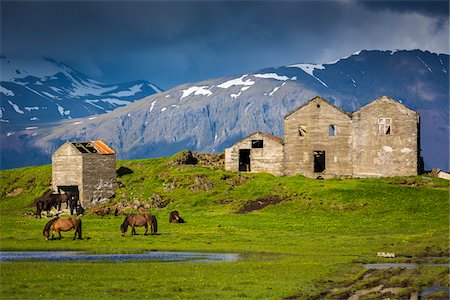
(175, 42)
(436, 8)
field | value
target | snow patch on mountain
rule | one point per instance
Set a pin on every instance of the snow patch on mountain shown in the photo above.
(272, 76)
(236, 81)
(309, 69)
(16, 107)
(6, 92)
(197, 90)
(429, 69)
(129, 92)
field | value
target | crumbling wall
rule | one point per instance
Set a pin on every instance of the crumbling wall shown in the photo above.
(385, 140)
(268, 158)
(316, 128)
(99, 179)
(66, 167)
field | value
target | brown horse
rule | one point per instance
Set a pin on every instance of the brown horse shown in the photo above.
(175, 217)
(133, 220)
(58, 225)
(49, 200)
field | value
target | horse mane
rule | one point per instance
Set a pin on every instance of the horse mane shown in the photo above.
(49, 224)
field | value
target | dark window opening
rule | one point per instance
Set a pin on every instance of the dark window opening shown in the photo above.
(332, 130)
(318, 105)
(257, 144)
(319, 161)
(384, 126)
(244, 160)
(301, 130)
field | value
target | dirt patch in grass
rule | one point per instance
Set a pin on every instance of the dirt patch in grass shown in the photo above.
(15, 192)
(260, 203)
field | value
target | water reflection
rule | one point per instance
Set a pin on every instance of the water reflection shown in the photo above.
(65, 256)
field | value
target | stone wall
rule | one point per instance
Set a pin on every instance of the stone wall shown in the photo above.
(67, 167)
(268, 158)
(385, 140)
(99, 179)
(318, 131)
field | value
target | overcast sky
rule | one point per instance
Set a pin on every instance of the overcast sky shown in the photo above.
(173, 42)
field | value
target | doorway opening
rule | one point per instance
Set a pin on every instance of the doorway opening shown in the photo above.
(244, 160)
(319, 161)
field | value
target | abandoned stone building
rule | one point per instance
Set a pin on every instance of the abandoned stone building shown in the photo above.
(380, 139)
(85, 169)
(258, 152)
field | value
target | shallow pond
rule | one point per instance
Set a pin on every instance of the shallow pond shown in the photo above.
(65, 256)
(401, 265)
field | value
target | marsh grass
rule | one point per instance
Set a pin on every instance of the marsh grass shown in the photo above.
(312, 243)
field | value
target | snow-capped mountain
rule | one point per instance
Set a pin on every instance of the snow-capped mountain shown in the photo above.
(34, 94)
(211, 115)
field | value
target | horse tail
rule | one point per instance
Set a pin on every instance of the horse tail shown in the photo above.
(48, 226)
(154, 224)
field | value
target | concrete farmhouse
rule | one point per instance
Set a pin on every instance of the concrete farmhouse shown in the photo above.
(259, 152)
(380, 139)
(85, 169)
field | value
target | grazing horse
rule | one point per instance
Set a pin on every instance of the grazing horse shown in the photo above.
(49, 200)
(133, 220)
(46, 202)
(175, 217)
(58, 225)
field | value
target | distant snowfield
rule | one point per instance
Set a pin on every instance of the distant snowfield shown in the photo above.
(197, 90)
(130, 92)
(236, 81)
(272, 76)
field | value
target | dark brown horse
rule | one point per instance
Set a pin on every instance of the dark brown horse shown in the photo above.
(49, 200)
(175, 217)
(133, 220)
(58, 225)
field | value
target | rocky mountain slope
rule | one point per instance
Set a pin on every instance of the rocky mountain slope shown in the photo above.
(210, 115)
(36, 93)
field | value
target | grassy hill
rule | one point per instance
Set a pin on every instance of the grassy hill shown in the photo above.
(298, 238)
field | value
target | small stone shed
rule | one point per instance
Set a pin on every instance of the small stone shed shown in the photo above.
(86, 169)
(258, 152)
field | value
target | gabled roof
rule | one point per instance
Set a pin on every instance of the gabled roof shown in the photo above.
(385, 99)
(270, 136)
(317, 98)
(98, 146)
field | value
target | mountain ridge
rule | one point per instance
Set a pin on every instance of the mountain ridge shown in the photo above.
(51, 91)
(212, 114)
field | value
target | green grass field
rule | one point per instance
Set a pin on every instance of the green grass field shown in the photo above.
(311, 245)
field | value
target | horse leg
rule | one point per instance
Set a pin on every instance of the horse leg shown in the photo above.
(146, 229)
(59, 232)
(38, 210)
(133, 230)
